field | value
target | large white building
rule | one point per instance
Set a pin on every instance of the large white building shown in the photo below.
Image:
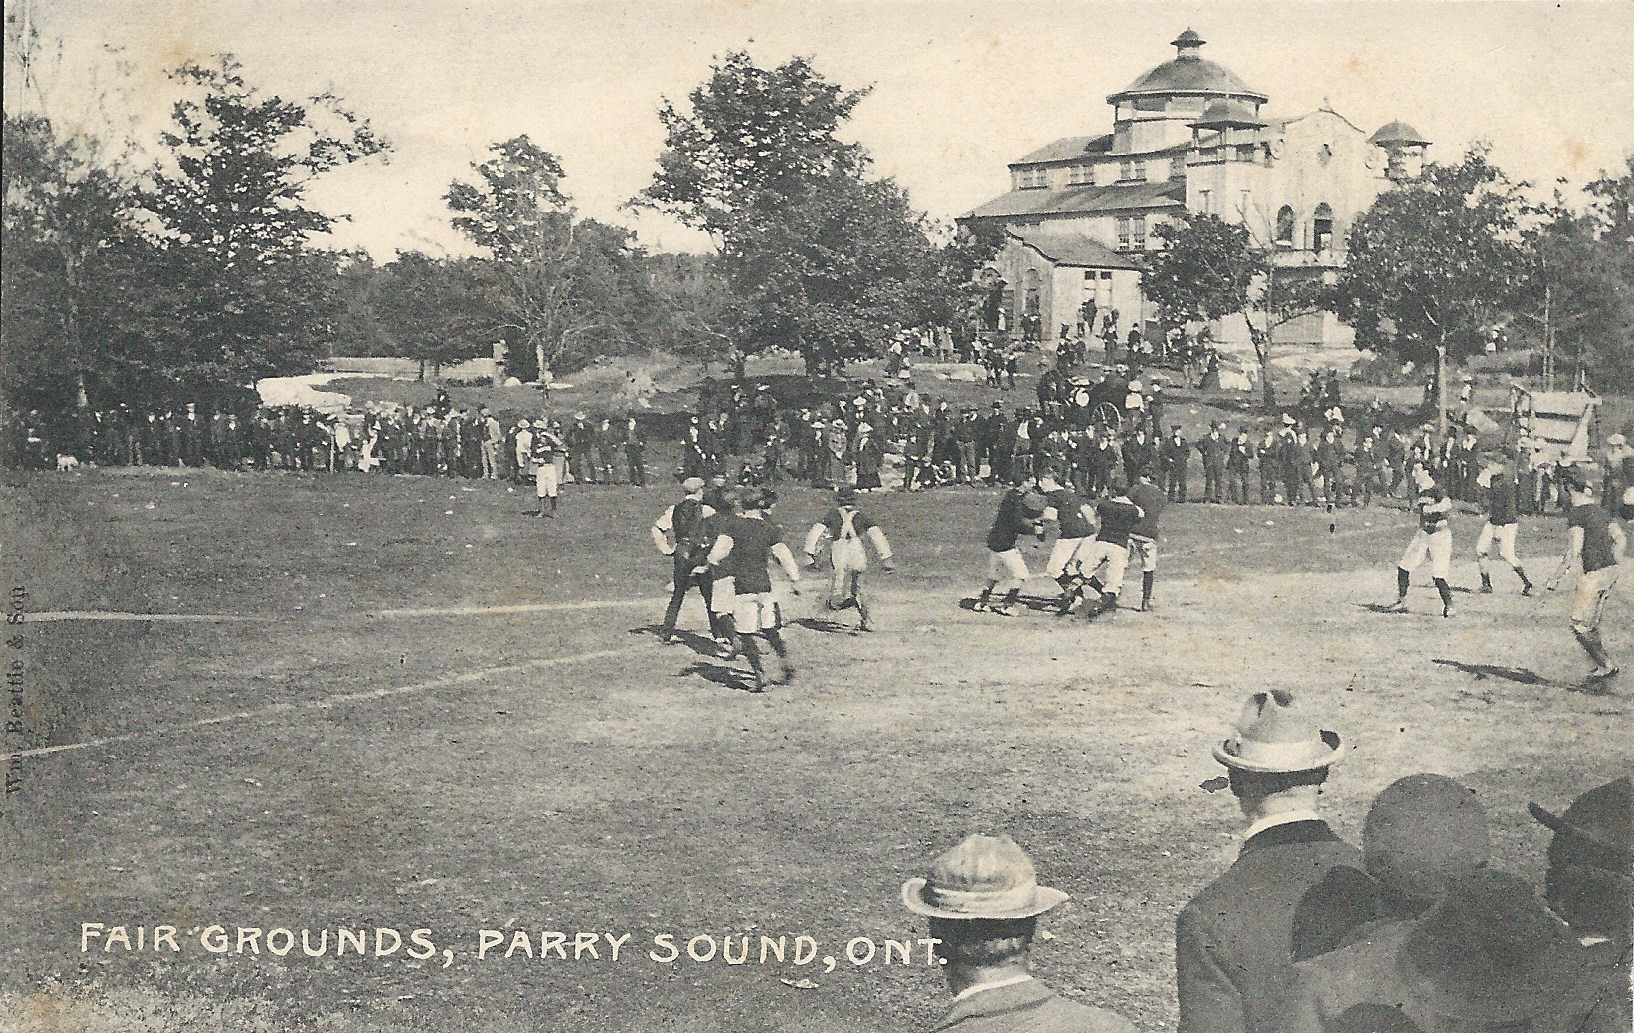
(1186, 136)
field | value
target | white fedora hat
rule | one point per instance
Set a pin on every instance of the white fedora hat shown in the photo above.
(1274, 736)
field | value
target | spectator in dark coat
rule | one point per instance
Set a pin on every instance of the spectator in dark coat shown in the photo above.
(1234, 942)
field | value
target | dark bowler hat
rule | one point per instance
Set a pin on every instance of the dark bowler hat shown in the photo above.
(987, 877)
(1423, 831)
(1602, 818)
(1491, 952)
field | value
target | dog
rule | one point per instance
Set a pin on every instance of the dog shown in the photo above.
(67, 463)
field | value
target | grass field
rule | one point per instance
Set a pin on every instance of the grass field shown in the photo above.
(418, 707)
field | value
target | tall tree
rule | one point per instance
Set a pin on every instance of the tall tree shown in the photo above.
(429, 310)
(560, 289)
(1209, 269)
(67, 226)
(817, 256)
(252, 294)
(1431, 265)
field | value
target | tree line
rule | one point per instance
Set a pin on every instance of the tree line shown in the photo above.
(193, 273)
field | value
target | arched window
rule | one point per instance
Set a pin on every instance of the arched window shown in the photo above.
(1322, 228)
(1285, 225)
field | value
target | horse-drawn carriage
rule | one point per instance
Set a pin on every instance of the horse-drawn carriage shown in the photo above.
(1093, 401)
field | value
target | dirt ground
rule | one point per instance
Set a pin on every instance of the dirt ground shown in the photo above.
(416, 707)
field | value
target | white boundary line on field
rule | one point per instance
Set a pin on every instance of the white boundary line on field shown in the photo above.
(327, 702)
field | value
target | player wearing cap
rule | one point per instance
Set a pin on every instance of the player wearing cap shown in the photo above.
(1103, 560)
(1502, 520)
(1433, 539)
(1596, 543)
(848, 557)
(746, 545)
(683, 531)
(1019, 513)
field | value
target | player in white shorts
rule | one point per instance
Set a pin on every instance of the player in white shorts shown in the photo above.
(1502, 521)
(1433, 539)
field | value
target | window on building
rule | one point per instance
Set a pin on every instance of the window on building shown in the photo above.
(1125, 234)
(1322, 228)
(1205, 202)
(1080, 175)
(1285, 225)
(1126, 171)
(1139, 228)
(1247, 151)
(1245, 201)
(1177, 167)
(1032, 178)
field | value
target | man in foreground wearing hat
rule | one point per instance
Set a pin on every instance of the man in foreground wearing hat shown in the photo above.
(1234, 940)
(1594, 541)
(1421, 833)
(983, 901)
(1590, 883)
(848, 557)
(683, 532)
(1488, 957)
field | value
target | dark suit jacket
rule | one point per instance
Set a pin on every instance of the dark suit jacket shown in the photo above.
(1234, 943)
(1029, 1007)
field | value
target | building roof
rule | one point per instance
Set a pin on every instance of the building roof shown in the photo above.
(1188, 73)
(1227, 112)
(1398, 132)
(1073, 249)
(1067, 148)
(1083, 200)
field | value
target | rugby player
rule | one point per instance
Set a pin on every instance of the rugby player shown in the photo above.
(1595, 543)
(1433, 539)
(1107, 556)
(1143, 536)
(848, 557)
(1074, 521)
(1502, 521)
(746, 545)
(1019, 513)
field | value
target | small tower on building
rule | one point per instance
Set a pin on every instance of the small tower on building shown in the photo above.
(1404, 149)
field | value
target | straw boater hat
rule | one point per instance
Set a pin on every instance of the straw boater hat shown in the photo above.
(1275, 736)
(1491, 952)
(987, 877)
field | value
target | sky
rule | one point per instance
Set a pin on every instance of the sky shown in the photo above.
(959, 89)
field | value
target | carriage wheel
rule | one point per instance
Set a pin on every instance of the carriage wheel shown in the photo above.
(1107, 415)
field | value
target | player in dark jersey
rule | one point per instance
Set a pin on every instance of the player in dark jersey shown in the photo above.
(848, 527)
(1502, 521)
(1020, 512)
(1433, 539)
(1143, 538)
(683, 532)
(746, 545)
(1594, 541)
(1074, 521)
(1105, 558)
